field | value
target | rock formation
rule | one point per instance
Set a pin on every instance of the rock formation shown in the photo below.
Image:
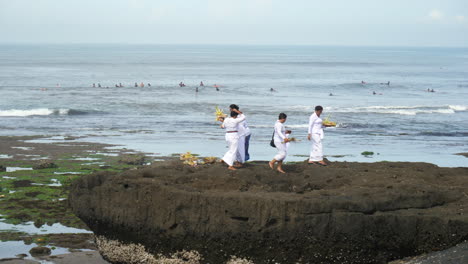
(343, 213)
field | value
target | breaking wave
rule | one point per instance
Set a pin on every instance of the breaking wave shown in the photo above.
(41, 112)
(402, 110)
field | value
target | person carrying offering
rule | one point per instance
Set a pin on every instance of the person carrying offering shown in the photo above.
(244, 138)
(315, 134)
(231, 125)
(280, 140)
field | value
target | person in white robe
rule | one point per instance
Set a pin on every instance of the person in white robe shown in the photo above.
(244, 138)
(231, 124)
(280, 140)
(315, 133)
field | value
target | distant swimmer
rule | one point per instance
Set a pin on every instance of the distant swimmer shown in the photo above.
(136, 84)
(330, 94)
(120, 85)
(374, 93)
(196, 90)
(99, 85)
(149, 84)
(94, 85)
(217, 89)
(272, 90)
(387, 83)
(201, 83)
(363, 82)
(181, 84)
(142, 84)
(116, 85)
(432, 91)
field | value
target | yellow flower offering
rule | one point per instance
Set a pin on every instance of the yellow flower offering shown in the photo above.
(327, 122)
(219, 113)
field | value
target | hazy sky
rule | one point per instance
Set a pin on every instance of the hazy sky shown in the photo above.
(334, 22)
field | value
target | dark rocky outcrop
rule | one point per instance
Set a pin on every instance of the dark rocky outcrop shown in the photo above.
(44, 164)
(40, 251)
(132, 159)
(343, 213)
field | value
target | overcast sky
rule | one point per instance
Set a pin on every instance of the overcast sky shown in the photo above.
(298, 22)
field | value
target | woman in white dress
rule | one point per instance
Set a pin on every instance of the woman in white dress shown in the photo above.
(232, 137)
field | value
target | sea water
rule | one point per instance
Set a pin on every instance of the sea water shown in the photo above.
(47, 90)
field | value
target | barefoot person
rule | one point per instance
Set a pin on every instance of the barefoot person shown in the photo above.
(244, 138)
(315, 134)
(280, 140)
(231, 125)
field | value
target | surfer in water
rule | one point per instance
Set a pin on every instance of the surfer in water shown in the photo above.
(201, 83)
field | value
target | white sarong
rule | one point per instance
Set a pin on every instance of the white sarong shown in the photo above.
(316, 153)
(282, 151)
(241, 149)
(232, 140)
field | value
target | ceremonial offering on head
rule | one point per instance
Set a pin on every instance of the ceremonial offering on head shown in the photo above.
(219, 114)
(327, 122)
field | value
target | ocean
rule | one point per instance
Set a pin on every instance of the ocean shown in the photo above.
(48, 90)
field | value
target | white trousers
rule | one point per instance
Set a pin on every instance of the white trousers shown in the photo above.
(316, 152)
(232, 140)
(282, 151)
(241, 149)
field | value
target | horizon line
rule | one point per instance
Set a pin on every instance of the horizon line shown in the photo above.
(235, 44)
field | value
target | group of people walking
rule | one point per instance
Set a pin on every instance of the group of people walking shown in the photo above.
(238, 137)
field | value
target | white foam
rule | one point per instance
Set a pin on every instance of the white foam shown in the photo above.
(402, 110)
(33, 112)
(458, 107)
(297, 126)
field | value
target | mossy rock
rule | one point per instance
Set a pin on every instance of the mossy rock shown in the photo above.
(132, 159)
(367, 153)
(45, 164)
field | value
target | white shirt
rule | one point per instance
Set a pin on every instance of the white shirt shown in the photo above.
(315, 125)
(232, 124)
(244, 130)
(280, 132)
